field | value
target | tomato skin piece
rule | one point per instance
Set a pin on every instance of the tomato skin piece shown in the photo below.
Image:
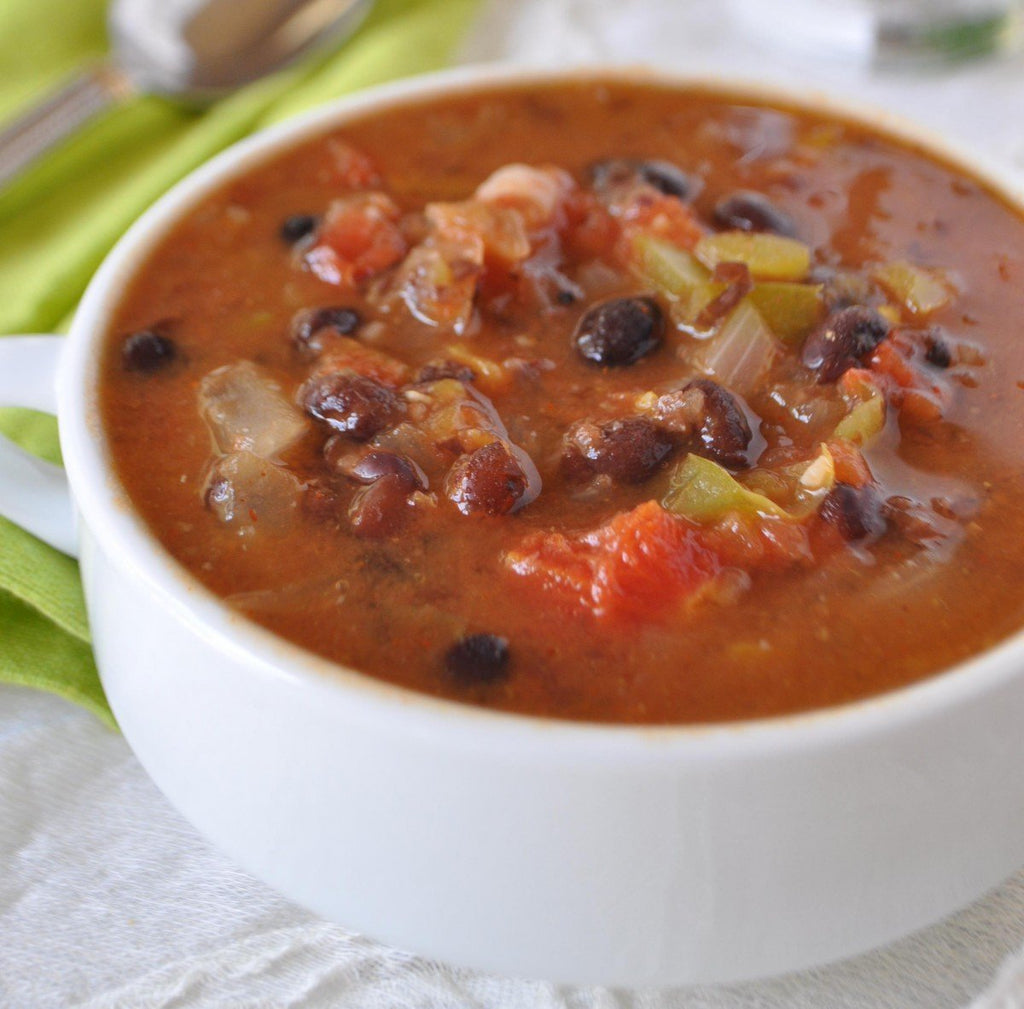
(770, 544)
(634, 568)
(359, 238)
(653, 213)
(850, 464)
(591, 232)
(920, 400)
(346, 354)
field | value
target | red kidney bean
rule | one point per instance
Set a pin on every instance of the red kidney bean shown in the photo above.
(627, 449)
(724, 433)
(351, 404)
(843, 340)
(488, 481)
(378, 463)
(381, 508)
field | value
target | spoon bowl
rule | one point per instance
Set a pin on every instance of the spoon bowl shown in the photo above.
(198, 52)
(193, 52)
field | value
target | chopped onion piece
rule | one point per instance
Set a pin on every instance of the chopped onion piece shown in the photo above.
(920, 289)
(741, 352)
(248, 492)
(246, 411)
(820, 473)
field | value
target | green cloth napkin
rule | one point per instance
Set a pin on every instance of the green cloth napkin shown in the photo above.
(58, 221)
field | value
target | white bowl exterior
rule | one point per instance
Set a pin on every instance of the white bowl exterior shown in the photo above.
(586, 854)
(598, 857)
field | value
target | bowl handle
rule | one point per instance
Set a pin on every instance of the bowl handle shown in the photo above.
(34, 494)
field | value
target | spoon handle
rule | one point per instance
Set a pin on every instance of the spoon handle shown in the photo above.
(56, 118)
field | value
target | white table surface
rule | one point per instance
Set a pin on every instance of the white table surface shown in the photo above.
(109, 899)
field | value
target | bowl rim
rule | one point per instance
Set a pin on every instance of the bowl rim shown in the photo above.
(127, 542)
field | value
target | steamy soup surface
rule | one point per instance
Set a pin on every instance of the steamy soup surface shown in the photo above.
(594, 400)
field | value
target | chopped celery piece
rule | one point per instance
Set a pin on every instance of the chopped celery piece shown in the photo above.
(798, 487)
(666, 267)
(768, 257)
(921, 290)
(741, 352)
(791, 310)
(702, 491)
(864, 422)
(891, 314)
(866, 418)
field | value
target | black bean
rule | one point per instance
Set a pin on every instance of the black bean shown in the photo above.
(147, 351)
(351, 404)
(749, 211)
(293, 229)
(724, 432)
(664, 176)
(382, 508)
(855, 512)
(627, 449)
(377, 463)
(308, 326)
(668, 179)
(937, 349)
(488, 481)
(478, 658)
(433, 371)
(619, 332)
(843, 340)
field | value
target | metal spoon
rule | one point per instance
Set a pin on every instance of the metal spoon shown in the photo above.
(191, 50)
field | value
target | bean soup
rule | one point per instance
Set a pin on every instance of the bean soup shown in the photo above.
(595, 400)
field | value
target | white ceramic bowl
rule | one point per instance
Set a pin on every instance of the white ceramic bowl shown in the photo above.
(580, 853)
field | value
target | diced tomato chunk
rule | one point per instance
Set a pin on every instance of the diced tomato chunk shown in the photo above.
(538, 193)
(591, 231)
(761, 543)
(346, 354)
(652, 213)
(359, 238)
(850, 466)
(500, 229)
(438, 280)
(635, 567)
(919, 397)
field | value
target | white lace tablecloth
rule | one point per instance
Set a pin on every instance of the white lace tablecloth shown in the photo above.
(109, 899)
